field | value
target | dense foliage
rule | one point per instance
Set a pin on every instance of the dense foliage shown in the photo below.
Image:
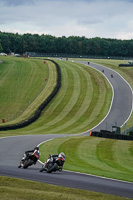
(1, 46)
(17, 43)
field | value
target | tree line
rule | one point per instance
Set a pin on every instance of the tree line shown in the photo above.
(17, 43)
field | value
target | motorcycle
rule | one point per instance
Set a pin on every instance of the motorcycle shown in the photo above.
(54, 163)
(29, 159)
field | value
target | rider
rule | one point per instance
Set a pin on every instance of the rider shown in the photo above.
(27, 154)
(62, 155)
(55, 156)
(31, 151)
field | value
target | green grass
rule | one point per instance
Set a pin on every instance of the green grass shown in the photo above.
(82, 101)
(18, 189)
(99, 156)
(23, 87)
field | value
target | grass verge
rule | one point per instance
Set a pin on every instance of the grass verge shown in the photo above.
(18, 189)
(99, 156)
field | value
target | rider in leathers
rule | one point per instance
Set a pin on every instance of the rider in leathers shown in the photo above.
(28, 153)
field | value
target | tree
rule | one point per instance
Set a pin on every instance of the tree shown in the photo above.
(1, 49)
(75, 45)
(5, 42)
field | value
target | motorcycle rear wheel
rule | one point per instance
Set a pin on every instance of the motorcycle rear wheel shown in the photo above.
(53, 168)
(27, 163)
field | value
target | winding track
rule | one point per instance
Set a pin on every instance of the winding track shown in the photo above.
(122, 99)
(12, 148)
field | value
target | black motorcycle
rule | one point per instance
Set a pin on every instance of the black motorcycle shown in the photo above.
(54, 163)
(29, 159)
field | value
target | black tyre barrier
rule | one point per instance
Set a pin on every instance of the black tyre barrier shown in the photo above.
(125, 65)
(38, 112)
(131, 133)
(111, 135)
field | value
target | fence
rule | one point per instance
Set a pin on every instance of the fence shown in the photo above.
(111, 135)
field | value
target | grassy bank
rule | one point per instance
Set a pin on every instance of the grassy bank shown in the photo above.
(23, 87)
(11, 188)
(99, 156)
(82, 101)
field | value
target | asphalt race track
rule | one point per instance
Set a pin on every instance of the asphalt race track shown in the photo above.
(12, 149)
(122, 101)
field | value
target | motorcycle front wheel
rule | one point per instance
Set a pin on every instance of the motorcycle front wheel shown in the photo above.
(42, 169)
(53, 168)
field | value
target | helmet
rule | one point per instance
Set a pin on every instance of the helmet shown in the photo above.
(36, 148)
(62, 155)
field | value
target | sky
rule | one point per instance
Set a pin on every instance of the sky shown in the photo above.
(89, 18)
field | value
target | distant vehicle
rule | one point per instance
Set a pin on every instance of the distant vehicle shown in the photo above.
(3, 54)
(17, 55)
(130, 61)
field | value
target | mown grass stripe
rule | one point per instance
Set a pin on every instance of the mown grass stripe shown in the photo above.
(92, 155)
(105, 154)
(74, 92)
(95, 106)
(76, 161)
(124, 155)
(26, 79)
(52, 116)
(82, 102)
(81, 94)
(61, 117)
(70, 110)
